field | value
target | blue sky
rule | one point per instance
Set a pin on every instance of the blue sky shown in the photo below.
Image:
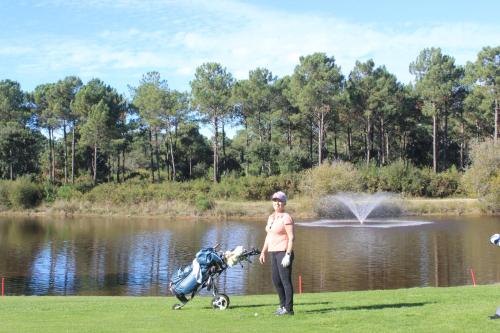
(42, 41)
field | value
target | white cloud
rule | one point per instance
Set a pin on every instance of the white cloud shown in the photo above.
(240, 37)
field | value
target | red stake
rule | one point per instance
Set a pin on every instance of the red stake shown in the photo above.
(300, 284)
(3, 287)
(473, 277)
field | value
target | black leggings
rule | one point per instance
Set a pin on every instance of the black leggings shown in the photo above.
(282, 279)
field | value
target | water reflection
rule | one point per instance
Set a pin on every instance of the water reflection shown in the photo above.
(137, 257)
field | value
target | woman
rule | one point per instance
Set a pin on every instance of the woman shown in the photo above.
(279, 243)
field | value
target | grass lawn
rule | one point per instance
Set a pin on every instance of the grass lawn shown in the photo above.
(455, 309)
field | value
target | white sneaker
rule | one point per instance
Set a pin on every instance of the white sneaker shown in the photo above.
(285, 312)
(278, 311)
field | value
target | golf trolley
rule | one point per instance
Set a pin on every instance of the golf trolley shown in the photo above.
(203, 272)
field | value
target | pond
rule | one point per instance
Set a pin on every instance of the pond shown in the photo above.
(111, 256)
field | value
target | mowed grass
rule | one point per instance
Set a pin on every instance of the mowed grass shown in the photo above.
(455, 309)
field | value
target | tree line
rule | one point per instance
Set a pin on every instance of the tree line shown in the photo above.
(288, 124)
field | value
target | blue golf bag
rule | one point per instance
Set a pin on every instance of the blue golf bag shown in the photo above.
(206, 266)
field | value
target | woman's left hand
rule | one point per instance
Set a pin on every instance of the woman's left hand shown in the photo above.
(286, 260)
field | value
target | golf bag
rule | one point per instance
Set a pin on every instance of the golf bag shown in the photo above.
(206, 266)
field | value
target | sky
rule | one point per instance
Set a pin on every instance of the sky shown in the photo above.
(118, 41)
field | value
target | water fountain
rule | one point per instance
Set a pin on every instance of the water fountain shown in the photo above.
(337, 211)
(362, 204)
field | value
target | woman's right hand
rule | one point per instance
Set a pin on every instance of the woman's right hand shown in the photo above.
(262, 258)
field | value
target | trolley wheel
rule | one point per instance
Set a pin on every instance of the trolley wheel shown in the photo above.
(177, 306)
(220, 301)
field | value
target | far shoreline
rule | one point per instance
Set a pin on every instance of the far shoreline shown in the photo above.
(300, 208)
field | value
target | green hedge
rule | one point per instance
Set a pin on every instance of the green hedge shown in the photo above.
(133, 192)
(68, 193)
(482, 178)
(491, 200)
(23, 193)
(331, 178)
(4, 194)
(405, 178)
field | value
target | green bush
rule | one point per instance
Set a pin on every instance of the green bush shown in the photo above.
(262, 188)
(202, 203)
(257, 188)
(424, 177)
(331, 178)
(103, 193)
(49, 191)
(443, 184)
(392, 177)
(415, 182)
(491, 201)
(482, 178)
(4, 193)
(83, 183)
(68, 192)
(121, 194)
(140, 175)
(402, 177)
(233, 187)
(200, 185)
(23, 193)
(369, 175)
(485, 166)
(229, 187)
(136, 192)
(160, 192)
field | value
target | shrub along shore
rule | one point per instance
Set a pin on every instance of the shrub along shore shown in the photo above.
(451, 309)
(300, 208)
(415, 191)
